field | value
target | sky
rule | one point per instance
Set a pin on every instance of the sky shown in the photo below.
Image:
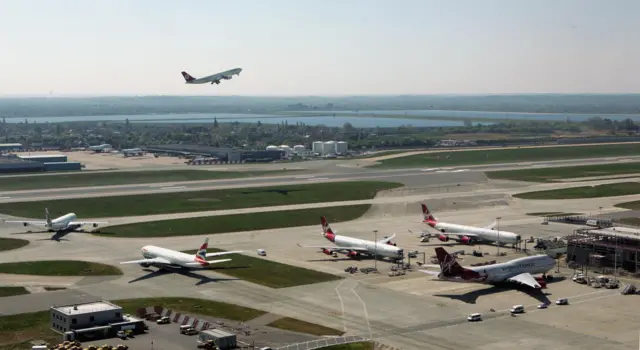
(319, 47)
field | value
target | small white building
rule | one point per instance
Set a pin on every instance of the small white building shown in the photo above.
(299, 149)
(341, 147)
(317, 147)
(329, 147)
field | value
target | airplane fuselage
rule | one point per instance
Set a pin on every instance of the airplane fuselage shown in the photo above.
(176, 258)
(62, 223)
(216, 77)
(496, 273)
(483, 234)
(380, 249)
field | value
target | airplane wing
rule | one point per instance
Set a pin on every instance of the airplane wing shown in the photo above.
(525, 278)
(33, 223)
(431, 272)
(356, 249)
(83, 223)
(223, 253)
(492, 225)
(207, 263)
(148, 261)
(386, 240)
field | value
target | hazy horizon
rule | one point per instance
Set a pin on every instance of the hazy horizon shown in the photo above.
(296, 48)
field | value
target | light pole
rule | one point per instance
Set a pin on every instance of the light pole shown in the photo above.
(375, 250)
(498, 228)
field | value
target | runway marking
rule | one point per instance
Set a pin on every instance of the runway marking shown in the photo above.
(156, 186)
(344, 322)
(172, 187)
(5, 197)
(304, 177)
(319, 178)
(428, 169)
(364, 306)
(459, 170)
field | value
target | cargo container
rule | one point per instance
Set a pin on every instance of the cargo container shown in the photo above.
(222, 339)
(45, 158)
(17, 165)
(62, 166)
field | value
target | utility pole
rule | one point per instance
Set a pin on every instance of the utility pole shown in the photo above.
(498, 224)
(375, 250)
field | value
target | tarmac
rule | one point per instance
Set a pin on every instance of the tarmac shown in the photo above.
(407, 312)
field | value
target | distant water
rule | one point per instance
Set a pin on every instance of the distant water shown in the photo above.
(193, 118)
(497, 115)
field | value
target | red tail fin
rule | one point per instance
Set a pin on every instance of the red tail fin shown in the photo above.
(326, 230)
(448, 264)
(426, 214)
(187, 77)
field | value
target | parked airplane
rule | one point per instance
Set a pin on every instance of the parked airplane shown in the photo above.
(466, 234)
(132, 152)
(163, 257)
(66, 222)
(355, 247)
(105, 147)
(214, 78)
(519, 270)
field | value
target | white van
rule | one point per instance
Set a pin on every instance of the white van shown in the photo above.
(517, 309)
(474, 317)
(262, 252)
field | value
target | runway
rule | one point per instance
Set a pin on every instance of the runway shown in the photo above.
(335, 173)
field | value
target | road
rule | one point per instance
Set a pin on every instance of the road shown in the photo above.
(335, 173)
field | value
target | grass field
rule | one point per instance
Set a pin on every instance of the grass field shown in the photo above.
(18, 329)
(181, 202)
(11, 291)
(608, 190)
(59, 268)
(635, 205)
(235, 223)
(633, 221)
(351, 346)
(12, 243)
(555, 174)
(65, 180)
(291, 324)
(510, 155)
(266, 272)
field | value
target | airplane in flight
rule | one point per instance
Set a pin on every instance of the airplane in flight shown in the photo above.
(214, 78)
(354, 247)
(66, 223)
(519, 270)
(162, 257)
(466, 234)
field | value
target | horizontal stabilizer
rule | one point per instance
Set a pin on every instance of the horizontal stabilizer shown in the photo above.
(207, 262)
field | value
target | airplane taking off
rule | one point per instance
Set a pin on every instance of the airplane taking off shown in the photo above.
(519, 270)
(66, 222)
(355, 247)
(213, 79)
(466, 234)
(163, 257)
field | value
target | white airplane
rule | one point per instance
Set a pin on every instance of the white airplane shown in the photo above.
(105, 147)
(466, 234)
(163, 257)
(132, 152)
(354, 246)
(213, 79)
(519, 270)
(66, 222)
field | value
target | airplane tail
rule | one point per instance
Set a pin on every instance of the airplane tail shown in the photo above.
(448, 265)
(188, 77)
(327, 232)
(47, 217)
(201, 254)
(426, 214)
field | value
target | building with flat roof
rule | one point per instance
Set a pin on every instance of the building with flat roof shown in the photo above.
(610, 248)
(10, 146)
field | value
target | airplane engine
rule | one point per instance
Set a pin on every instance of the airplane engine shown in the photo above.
(391, 243)
(24, 224)
(352, 254)
(541, 282)
(145, 265)
(466, 240)
(326, 251)
(95, 225)
(443, 238)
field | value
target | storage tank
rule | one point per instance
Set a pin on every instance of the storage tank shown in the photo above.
(341, 147)
(316, 147)
(272, 148)
(329, 147)
(298, 149)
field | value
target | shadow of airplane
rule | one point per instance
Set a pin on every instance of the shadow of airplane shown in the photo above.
(202, 278)
(471, 297)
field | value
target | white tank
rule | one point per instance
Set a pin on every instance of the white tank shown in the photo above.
(298, 148)
(317, 146)
(341, 147)
(272, 148)
(284, 146)
(329, 147)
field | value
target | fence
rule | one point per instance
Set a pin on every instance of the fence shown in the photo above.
(321, 343)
